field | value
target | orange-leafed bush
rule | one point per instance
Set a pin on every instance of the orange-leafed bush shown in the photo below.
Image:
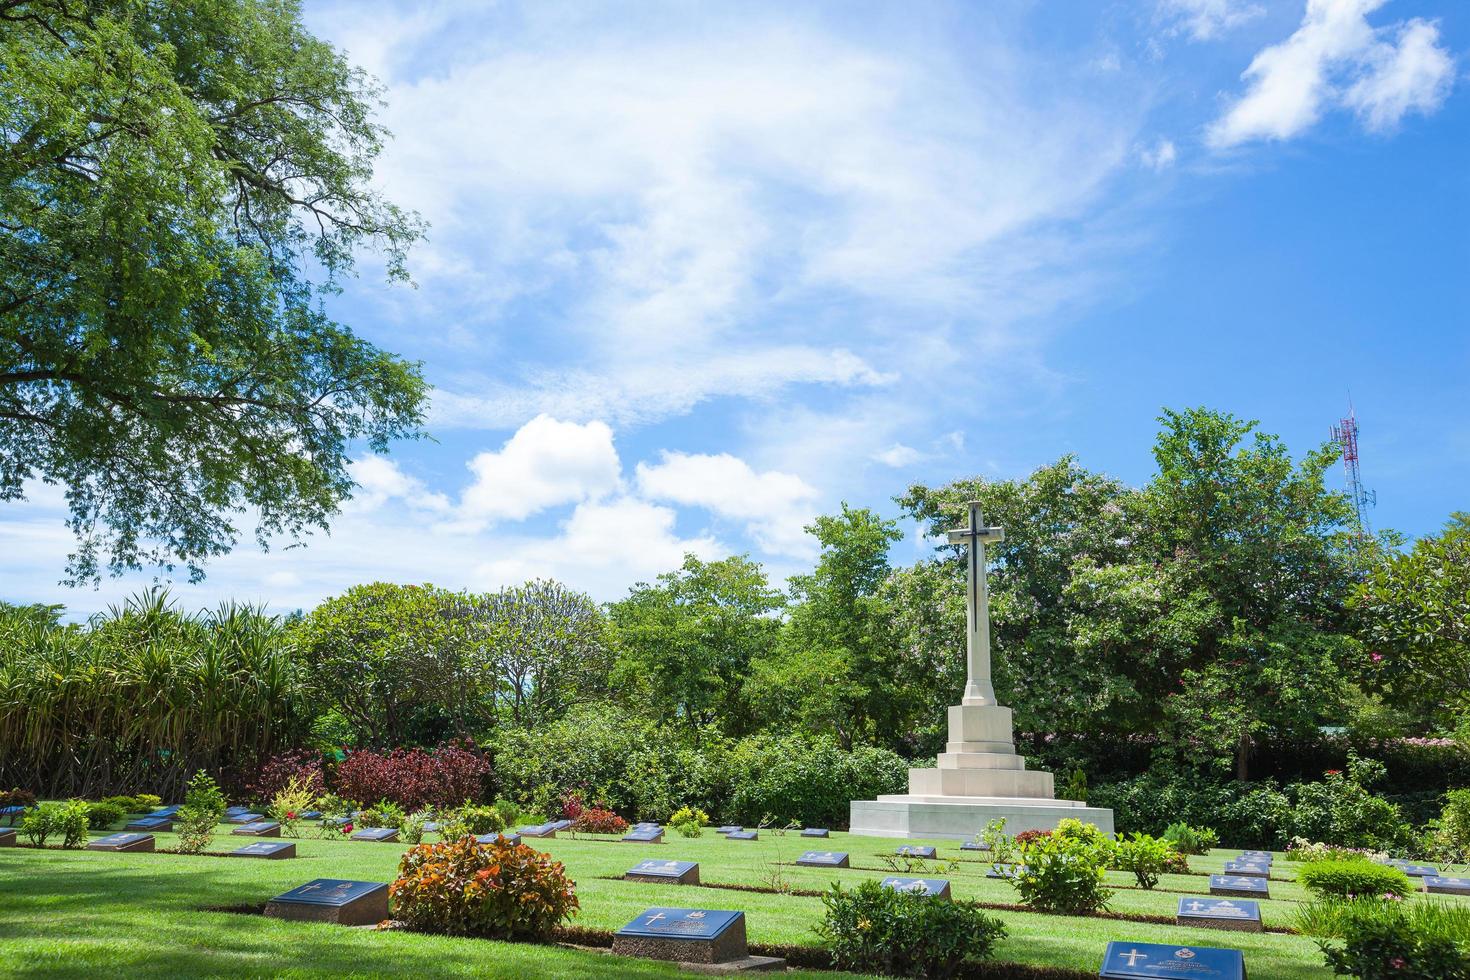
(599, 820)
(500, 890)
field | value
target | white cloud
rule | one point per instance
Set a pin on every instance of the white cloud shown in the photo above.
(672, 199)
(1205, 20)
(1414, 75)
(380, 479)
(1292, 83)
(544, 464)
(610, 544)
(1160, 157)
(774, 506)
(898, 455)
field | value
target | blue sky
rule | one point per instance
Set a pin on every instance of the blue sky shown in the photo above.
(695, 275)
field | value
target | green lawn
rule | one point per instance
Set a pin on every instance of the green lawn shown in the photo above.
(68, 913)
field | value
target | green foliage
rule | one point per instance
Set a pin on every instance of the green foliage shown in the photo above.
(1001, 845)
(181, 184)
(834, 665)
(1340, 810)
(1455, 819)
(686, 643)
(294, 799)
(386, 813)
(411, 828)
(809, 782)
(1243, 814)
(1063, 874)
(1074, 787)
(1414, 611)
(872, 929)
(1147, 857)
(689, 821)
(1190, 840)
(499, 890)
(47, 821)
(204, 807)
(148, 801)
(1394, 940)
(472, 820)
(509, 811)
(144, 694)
(126, 804)
(102, 815)
(1345, 878)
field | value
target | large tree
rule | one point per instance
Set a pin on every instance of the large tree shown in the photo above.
(1414, 612)
(179, 184)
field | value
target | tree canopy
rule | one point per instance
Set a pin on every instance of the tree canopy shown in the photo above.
(179, 185)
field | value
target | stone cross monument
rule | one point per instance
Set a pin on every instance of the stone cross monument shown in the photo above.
(977, 607)
(979, 777)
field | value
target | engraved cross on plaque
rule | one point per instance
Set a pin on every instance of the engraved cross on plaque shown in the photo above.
(976, 536)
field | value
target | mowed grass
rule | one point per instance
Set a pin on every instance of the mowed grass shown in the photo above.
(75, 913)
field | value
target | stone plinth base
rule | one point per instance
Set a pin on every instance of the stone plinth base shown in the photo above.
(961, 818)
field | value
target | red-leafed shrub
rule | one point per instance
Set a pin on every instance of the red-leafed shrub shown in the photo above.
(17, 797)
(1027, 836)
(414, 778)
(303, 765)
(500, 890)
(599, 820)
(571, 804)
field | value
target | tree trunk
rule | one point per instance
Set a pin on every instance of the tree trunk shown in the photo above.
(1242, 759)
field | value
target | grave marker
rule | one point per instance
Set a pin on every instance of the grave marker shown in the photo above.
(705, 936)
(743, 835)
(1237, 886)
(1004, 870)
(311, 815)
(1123, 961)
(168, 811)
(1247, 869)
(130, 843)
(1262, 856)
(347, 903)
(971, 845)
(537, 830)
(560, 825)
(382, 835)
(824, 859)
(150, 824)
(260, 828)
(1418, 870)
(492, 838)
(1220, 913)
(7, 838)
(1440, 885)
(648, 835)
(246, 817)
(272, 849)
(727, 829)
(815, 832)
(431, 826)
(915, 851)
(668, 872)
(927, 887)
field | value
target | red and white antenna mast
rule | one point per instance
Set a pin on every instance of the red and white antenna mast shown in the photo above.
(1345, 434)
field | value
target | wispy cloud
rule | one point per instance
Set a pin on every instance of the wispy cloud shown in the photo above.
(1336, 58)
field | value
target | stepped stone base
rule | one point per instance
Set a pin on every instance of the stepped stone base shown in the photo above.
(979, 778)
(917, 817)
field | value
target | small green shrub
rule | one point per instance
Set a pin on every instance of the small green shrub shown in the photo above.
(290, 802)
(1354, 876)
(203, 809)
(1399, 940)
(499, 890)
(147, 801)
(872, 929)
(1190, 840)
(411, 831)
(689, 821)
(1301, 849)
(101, 816)
(509, 810)
(1063, 875)
(477, 820)
(1001, 845)
(51, 820)
(1147, 857)
(384, 813)
(127, 804)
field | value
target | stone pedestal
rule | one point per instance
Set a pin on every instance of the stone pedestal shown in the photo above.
(979, 778)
